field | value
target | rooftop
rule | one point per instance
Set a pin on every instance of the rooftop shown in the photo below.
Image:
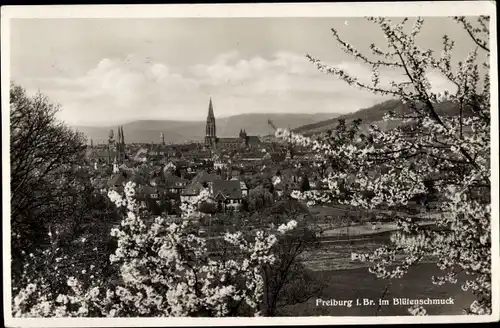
(228, 188)
(204, 176)
(117, 179)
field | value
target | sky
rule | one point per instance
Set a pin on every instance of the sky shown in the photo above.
(111, 70)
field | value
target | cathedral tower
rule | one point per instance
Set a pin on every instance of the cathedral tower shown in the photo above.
(244, 138)
(122, 137)
(210, 132)
(119, 145)
(119, 139)
(111, 144)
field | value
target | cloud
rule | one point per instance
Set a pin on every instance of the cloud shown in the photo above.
(133, 87)
(131, 79)
(440, 83)
(283, 73)
(118, 89)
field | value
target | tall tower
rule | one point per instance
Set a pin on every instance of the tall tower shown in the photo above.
(210, 132)
(244, 138)
(123, 139)
(123, 145)
(243, 134)
(119, 145)
(111, 144)
(119, 137)
(162, 139)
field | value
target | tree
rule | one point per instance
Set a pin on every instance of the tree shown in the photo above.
(451, 147)
(44, 158)
(304, 185)
(209, 207)
(63, 220)
(287, 282)
(142, 174)
(268, 184)
(259, 198)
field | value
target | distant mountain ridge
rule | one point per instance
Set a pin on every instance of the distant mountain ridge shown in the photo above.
(373, 114)
(148, 131)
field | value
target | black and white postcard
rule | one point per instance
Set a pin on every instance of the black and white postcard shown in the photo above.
(250, 164)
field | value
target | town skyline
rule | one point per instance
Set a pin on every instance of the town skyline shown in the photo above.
(111, 71)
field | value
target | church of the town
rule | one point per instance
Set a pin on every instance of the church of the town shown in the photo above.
(213, 142)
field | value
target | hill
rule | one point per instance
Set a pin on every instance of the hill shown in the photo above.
(146, 131)
(372, 115)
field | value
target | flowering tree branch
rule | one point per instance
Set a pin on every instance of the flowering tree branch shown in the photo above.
(474, 32)
(388, 168)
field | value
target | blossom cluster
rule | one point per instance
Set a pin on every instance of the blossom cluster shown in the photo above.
(284, 228)
(165, 270)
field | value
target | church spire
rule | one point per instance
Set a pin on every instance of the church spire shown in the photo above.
(119, 137)
(123, 137)
(210, 109)
(210, 131)
(111, 142)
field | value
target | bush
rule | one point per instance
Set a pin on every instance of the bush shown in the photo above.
(208, 207)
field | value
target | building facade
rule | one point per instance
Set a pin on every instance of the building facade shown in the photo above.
(213, 142)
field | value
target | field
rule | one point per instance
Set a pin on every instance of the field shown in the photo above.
(346, 279)
(359, 283)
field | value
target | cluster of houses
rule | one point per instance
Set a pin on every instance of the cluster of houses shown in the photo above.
(167, 175)
(163, 185)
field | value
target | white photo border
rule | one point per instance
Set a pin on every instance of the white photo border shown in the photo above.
(359, 9)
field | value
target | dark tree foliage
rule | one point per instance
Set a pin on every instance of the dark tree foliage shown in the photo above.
(53, 202)
(287, 281)
(44, 157)
(305, 186)
(208, 208)
(259, 198)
